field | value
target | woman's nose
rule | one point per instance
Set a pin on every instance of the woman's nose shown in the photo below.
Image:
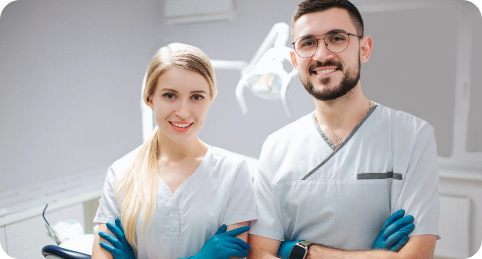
(183, 110)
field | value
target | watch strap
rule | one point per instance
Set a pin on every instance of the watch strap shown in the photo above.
(305, 243)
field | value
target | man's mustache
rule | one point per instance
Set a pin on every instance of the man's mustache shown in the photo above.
(328, 63)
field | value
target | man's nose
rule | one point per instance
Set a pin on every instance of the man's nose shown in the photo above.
(322, 53)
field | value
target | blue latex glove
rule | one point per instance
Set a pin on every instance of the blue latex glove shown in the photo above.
(121, 248)
(224, 245)
(285, 248)
(394, 233)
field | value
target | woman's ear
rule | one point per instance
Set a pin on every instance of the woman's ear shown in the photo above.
(150, 104)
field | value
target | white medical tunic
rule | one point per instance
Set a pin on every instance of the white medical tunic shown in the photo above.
(306, 189)
(218, 192)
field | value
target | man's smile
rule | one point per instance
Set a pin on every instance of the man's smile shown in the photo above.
(324, 71)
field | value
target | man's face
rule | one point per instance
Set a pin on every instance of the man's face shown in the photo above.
(327, 75)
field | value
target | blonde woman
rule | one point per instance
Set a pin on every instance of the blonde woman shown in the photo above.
(176, 196)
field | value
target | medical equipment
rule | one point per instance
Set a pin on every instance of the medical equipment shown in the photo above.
(51, 232)
(265, 76)
(71, 241)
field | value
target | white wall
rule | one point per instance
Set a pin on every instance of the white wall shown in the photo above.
(70, 74)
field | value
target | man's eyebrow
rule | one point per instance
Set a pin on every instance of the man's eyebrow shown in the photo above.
(337, 30)
(332, 31)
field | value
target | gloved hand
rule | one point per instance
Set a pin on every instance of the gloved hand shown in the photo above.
(121, 248)
(394, 233)
(224, 245)
(285, 248)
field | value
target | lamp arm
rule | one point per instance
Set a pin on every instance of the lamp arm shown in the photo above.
(277, 37)
(240, 97)
(228, 64)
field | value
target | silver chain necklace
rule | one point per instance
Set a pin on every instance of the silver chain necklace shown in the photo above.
(343, 140)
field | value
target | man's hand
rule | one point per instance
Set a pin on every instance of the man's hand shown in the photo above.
(394, 233)
(285, 248)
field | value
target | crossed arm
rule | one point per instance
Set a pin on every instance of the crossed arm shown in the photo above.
(417, 247)
(122, 250)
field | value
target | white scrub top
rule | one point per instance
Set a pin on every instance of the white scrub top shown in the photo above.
(306, 189)
(218, 192)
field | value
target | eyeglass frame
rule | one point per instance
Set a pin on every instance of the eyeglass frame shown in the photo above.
(326, 44)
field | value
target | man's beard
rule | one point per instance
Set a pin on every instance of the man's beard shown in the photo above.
(348, 82)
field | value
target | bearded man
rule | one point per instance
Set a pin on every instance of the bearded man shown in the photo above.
(337, 182)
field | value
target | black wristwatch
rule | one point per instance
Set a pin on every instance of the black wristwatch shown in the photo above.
(299, 250)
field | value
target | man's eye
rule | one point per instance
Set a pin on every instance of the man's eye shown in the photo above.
(197, 97)
(308, 43)
(336, 39)
(169, 96)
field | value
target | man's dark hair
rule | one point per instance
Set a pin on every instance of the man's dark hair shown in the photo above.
(312, 6)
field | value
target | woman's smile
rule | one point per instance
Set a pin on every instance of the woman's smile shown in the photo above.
(180, 126)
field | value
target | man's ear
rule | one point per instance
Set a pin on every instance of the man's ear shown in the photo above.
(366, 49)
(293, 59)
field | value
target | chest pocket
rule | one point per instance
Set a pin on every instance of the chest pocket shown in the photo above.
(373, 176)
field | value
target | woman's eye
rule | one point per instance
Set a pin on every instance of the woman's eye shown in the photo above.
(197, 97)
(169, 96)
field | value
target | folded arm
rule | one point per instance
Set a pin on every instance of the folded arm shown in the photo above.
(417, 247)
(242, 236)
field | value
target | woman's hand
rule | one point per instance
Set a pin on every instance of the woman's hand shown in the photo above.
(120, 248)
(224, 245)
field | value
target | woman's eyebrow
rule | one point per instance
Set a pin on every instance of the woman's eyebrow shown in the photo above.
(199, 92)
(192, 92)
(169, 89)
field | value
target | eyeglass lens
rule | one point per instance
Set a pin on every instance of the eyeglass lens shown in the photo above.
(335, 42)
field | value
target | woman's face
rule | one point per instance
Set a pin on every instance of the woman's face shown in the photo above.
(180, 103)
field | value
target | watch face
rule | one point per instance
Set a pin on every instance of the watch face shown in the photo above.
(297, 252)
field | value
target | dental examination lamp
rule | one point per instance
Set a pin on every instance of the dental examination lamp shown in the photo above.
(264, 75)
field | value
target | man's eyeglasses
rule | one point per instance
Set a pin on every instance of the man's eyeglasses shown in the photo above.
(335, 41)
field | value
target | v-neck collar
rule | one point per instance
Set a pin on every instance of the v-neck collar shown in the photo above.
(192, 177)
(325, 138)
(370, 111)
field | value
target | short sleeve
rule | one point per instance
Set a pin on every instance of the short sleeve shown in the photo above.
(419, 193)
(109, 209)
(268, 223)
(241, 206)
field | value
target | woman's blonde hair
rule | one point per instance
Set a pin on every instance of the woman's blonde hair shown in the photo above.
(136, 189)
